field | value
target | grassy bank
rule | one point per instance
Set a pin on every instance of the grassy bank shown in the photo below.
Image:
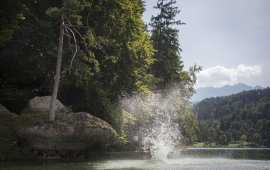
(238, 144)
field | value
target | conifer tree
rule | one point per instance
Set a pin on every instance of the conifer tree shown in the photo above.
(168, 68)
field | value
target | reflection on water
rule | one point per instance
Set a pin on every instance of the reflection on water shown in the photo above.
(194, 159)
(233, 153)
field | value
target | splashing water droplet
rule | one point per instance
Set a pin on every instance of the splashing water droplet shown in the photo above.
(157, 126)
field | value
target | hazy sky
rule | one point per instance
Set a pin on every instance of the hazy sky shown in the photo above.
(230, 39)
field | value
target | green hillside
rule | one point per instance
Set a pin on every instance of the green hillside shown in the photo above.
(242, 119)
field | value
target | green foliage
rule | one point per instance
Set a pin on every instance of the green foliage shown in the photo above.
(128, 118)
(71, 10)
(11, 14)
(115, 56)
(241, 117)
(188, 124)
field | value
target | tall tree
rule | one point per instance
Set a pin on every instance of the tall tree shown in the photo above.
(58, 71)
(168, 68)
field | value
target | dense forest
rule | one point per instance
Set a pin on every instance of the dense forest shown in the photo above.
(108, 52)
(236, 120)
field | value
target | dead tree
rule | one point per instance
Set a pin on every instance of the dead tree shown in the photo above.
(69, 30)
(57, 72)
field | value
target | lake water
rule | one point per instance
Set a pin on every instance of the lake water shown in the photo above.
(193, 159)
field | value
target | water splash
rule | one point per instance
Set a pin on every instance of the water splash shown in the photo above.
(157, 121)
(161, 137)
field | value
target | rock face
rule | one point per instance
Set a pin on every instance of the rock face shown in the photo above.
(8, 140)
(42, 104)
(71, 132)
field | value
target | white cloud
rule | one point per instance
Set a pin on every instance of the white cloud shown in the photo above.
(219, 76)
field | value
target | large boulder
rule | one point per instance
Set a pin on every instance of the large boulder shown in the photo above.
(73, 131)
(8, 140)
(42, 104)
(70, 133)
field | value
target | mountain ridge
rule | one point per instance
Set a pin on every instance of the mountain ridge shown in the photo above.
(206, 92)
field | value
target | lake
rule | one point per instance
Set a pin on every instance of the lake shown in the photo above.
(191, 158)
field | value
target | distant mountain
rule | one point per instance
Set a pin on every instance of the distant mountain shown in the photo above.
(206, 92)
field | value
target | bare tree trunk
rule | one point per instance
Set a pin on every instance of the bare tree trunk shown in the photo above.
(57, 74)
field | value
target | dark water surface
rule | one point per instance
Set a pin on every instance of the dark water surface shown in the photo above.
(193, 159)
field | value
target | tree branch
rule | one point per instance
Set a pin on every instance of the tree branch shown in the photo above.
(76, 26)
(76, 48)
(67, 33)
(87, 23)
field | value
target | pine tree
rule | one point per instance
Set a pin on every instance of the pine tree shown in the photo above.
(168, 67)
